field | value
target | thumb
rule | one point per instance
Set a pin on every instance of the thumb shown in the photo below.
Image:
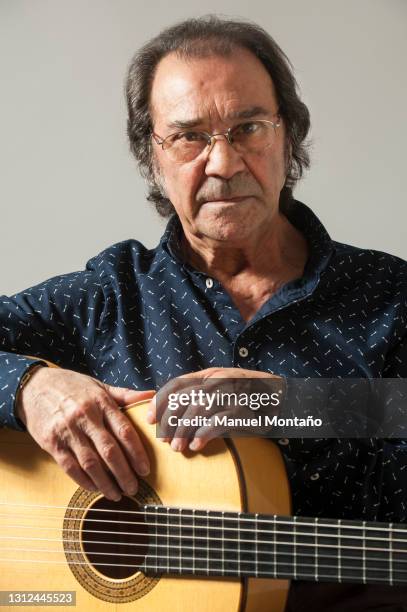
(124, 397)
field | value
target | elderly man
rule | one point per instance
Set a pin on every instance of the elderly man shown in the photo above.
(245, 282)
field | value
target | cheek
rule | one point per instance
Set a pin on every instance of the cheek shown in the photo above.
(183, 181)
(269, 172)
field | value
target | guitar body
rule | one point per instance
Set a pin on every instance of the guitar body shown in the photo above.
(246, 475)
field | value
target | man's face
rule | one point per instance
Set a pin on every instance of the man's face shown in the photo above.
(213, 93)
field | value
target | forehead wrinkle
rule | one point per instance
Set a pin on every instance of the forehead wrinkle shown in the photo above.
(248, 113)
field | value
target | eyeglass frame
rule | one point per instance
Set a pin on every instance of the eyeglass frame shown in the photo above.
(211, 137)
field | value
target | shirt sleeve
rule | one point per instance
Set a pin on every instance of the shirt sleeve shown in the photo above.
(57, 320)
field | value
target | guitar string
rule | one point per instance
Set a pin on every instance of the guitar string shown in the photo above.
(385, 527)
(205, 527)
(193, 548)
(194, 537)
(178, 570)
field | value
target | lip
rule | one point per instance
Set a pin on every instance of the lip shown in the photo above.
(233, 199)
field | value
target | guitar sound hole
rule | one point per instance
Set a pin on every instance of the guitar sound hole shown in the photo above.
(115, 537)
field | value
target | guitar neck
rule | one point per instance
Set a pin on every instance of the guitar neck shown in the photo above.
(230, 544)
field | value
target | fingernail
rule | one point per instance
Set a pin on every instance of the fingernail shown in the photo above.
(176, 445)
(150, 417)
(131, 489)
(143, 468)
(114, 495)
(195, 444)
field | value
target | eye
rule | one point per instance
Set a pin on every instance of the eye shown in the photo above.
(189, 137)
(249, 127)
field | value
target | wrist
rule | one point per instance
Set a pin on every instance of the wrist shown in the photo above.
(25, 380)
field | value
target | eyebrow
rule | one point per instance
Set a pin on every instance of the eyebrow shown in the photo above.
(247, 113)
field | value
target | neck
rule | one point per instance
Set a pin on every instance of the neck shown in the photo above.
(271, 251)
(237, 544)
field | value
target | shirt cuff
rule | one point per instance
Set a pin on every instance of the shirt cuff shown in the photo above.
(12, 369)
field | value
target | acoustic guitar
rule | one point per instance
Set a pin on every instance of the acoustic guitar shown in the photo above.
(208, 531)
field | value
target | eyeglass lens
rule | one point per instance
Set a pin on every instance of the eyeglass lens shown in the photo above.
(247, 137)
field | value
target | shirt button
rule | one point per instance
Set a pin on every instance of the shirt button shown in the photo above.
(209, 283)
(284, 441)
(314, 476)
(243, 352)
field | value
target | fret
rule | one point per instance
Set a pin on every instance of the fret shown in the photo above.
(238, 546)
(155, 551)
(364, 552)
(328, 550)
(352, 552)
(208, 542)
(193, 542)
(275, 560)
(161, 542)
(201, 542)
(230, 542)
(223, 544)
(167, 557)
(149, 565)
(378, 555)
(174, 541)
(399, 550)
(391, 553)
(284, 546)
(267, 546)
(187, 541)
(248, 545)
(180, 541)
(216, 551)
(316, 547)
(294, 548)
(339, 552)
(256, 551)
(305, 555)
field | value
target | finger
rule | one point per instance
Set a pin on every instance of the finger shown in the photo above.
(91, 463)
(183, 433)
(204, 434)
(124, 397)
(108, 448)
(66, 460)
(124, 431)
(152, 411)
(125, 439)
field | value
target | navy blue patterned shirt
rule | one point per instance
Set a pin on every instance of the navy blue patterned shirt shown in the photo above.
(138, 317)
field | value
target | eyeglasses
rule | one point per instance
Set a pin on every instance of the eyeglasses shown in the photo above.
(248, 137)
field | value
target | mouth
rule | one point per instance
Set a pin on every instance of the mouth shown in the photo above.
(232, 199)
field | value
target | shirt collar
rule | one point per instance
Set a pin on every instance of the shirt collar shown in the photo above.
(320, 244)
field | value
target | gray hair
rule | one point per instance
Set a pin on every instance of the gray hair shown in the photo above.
(201, 37)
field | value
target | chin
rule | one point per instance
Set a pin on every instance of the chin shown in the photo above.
(226, 228)
(231, 223)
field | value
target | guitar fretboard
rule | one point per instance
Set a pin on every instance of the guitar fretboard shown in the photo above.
(211, 543)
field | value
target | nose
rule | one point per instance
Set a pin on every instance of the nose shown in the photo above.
(223, 160)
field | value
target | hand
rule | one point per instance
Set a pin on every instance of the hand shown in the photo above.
(77, 420)
(236, 380)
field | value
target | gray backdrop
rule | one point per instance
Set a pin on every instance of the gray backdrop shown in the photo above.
(69, 187)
